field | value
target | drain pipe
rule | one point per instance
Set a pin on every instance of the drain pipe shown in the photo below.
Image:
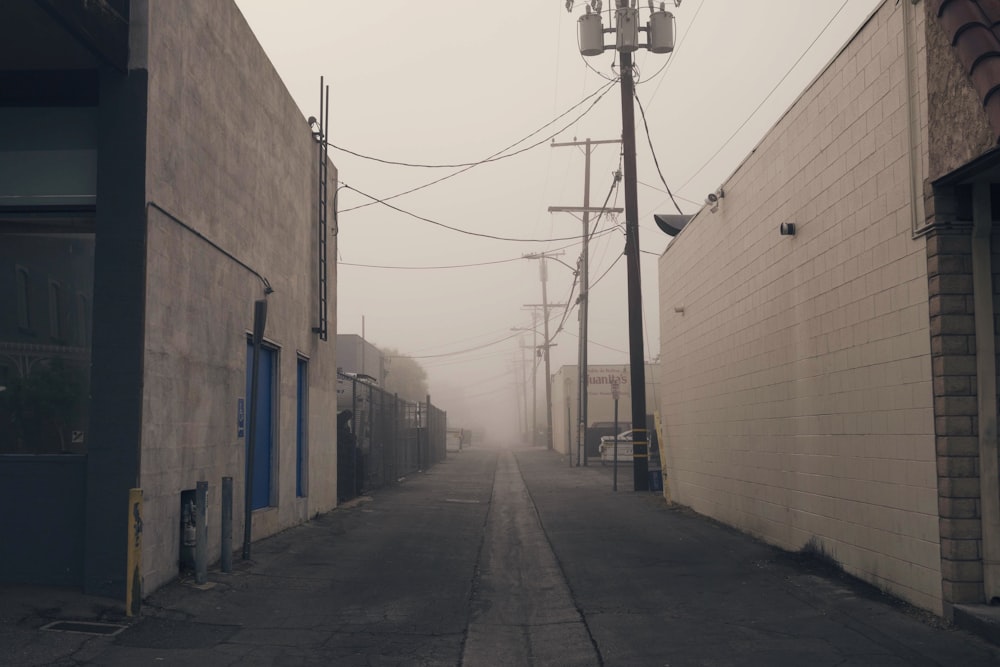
(915, 188)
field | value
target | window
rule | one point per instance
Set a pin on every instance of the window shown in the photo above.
(23, 299)
(82, 320)
(55, 311)
(45, 402)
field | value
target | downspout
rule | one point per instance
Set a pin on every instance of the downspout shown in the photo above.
(911, 81)
(986, 378)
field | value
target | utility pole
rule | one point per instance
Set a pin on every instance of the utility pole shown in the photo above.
(534, 375)
(524, 385)
(637, 352)
(545, 305)
(660, 39)
(581, 431)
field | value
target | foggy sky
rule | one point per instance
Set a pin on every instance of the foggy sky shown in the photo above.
(454, 82)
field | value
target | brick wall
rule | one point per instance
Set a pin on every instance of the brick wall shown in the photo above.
(953, 345)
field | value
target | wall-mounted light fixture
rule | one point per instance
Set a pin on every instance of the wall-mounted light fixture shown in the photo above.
(787, 229)
(713, 199)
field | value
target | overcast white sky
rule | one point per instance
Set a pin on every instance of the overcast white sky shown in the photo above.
(455, 82)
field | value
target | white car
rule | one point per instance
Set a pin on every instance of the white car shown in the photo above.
(607, 447)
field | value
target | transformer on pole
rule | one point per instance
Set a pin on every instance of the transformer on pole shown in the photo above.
(626, 29)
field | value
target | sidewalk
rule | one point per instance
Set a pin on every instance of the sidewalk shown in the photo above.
(388, 576)
(686, 590)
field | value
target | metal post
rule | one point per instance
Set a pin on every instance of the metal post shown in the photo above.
(201, 539)
(226, 559)
(584, 307)
(640, 437)
(133, 557)
(615, 394)
(569, 432)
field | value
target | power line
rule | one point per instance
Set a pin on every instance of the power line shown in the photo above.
(454, 229)
(776, 86)
(501, 154)
(466, 351)
(459, 266)
(677, 47)
(431, 268)
(656, 161)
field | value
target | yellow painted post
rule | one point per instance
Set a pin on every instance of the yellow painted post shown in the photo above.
(663, 456)
(133, 575)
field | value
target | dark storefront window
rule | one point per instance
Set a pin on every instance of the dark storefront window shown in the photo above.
(48, 199)
(44, 369)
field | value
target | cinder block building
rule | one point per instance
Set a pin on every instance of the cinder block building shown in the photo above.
(156, 180)
(831, 379)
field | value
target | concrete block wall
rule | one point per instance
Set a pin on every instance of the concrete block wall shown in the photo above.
(232, 188)
(797, 395)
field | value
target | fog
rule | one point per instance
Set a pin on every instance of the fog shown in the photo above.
(453, 83)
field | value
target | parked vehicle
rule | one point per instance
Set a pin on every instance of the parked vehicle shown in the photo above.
(607, 447)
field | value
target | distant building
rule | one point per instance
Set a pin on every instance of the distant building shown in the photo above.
(600, 404)
(156, 179)
(356, 355)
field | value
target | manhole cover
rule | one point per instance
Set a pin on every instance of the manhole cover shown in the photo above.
(85, 627)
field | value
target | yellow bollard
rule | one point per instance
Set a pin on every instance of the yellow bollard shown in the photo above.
(133, 575)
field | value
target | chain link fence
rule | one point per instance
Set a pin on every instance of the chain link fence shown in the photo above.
(382, 438)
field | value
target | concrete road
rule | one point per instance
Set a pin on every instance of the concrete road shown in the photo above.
(502, 558)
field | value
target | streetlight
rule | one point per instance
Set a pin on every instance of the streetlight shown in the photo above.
(660, 39)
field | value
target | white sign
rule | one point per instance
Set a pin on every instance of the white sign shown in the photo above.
(601, 379)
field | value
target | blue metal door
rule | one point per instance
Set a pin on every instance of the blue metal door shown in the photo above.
(263, 432)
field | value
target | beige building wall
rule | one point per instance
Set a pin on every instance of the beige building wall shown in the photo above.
(232, 182)
(600, 404)
(796, 383)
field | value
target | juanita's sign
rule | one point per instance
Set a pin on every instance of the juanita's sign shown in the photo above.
(600, 379)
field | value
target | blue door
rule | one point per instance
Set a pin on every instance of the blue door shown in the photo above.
(264, 432)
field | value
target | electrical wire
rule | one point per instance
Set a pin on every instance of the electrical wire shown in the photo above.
(766, 98)
(493, 158)
(594, 342)
(576, 275)
(455, 229)
(659, 189)
(466, 351)
(617, 259)
(502, 154)
(430, 268)
(656, 161)
(680, 41)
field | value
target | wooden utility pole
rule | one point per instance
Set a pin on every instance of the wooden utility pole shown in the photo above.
(545, 306)
(637, 354)
(588, 144)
